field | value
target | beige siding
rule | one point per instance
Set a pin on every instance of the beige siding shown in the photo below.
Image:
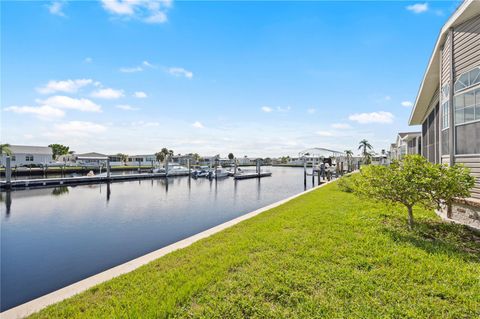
(446, 160)
(473, 163)
(446, 61)
(466, 44)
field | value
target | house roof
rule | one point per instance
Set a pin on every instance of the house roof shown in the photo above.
(25, 149)
(431, 79)
(404, 134)
(92, 155)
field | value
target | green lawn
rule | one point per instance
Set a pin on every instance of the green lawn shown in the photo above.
(324, 254)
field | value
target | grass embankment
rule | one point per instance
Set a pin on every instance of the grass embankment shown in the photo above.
(324, 254)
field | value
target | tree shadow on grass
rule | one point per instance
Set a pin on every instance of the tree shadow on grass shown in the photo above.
(437, 237)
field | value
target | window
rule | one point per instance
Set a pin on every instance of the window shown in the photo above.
(13, 158)
(467, 106)
(445, 106)
(28, 158)
(468, 79)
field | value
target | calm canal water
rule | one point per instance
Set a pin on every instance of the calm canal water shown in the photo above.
(53, 237)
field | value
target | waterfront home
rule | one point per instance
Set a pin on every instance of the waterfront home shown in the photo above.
(23, 155)
(184, 159)
(209, 160)
(93, 159)
(448, 102)
(392, 154)
(142, 160)
(408, 143)
(245, 161)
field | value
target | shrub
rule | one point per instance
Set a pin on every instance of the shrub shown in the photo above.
(347, 183)
(414, 181)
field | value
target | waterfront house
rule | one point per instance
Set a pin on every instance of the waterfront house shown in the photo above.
(448, 102)
(142, 160)
(93, 159)
(245, 161)
(408, 143)
(184, 159)
(392, 154)
(210, 160)
(23, 155)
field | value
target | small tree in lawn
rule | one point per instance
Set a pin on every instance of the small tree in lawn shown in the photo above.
(450, 183)
(400, 183)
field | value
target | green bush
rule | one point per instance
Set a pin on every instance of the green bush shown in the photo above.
(347, 183)
(414, 181)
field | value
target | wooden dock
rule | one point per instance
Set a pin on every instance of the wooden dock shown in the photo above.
(53, 182)
(252, 175)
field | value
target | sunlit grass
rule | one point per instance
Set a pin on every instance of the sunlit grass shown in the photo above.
(324, 254)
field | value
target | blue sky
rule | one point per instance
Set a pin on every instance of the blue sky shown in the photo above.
(252, 78)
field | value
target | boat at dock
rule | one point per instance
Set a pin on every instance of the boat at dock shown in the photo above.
(177, 170)
(219, 172)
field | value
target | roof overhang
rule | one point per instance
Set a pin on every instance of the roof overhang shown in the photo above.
(431, 79)
(410, 137)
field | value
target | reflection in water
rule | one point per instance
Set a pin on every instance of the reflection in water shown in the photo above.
(60, 190)
(70, 237)
(108, 192)
(8, 201)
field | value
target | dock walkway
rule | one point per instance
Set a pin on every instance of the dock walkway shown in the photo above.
(52, 182)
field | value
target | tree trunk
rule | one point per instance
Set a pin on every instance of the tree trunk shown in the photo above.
(410, 217)
(449, 210)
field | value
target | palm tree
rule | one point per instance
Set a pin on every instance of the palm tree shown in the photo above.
(160, 156)
(365, 147)
(5, 149)
(349, 154)
(123, 158)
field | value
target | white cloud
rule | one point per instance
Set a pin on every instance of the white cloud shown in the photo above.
(373, 117)
(148, 64)
(88, 60)
(140, 95)
(108, 93)
(418, 7)
(407, 104)
(283, 109)
(56, 7)
(152, 11)
(139, 68)
(66, 102)
(341, 126)
(197, 124)
(266, 109)
(324, 133)
(127, 107)
(159, 17)
(131, 70)
(387, 98)
(77, 129)
(311, 110)
(44, 112)
(67, 86)
(180, 72)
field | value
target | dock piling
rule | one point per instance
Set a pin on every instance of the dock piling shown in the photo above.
(108, 168)
(8, 171)
(304, 173)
